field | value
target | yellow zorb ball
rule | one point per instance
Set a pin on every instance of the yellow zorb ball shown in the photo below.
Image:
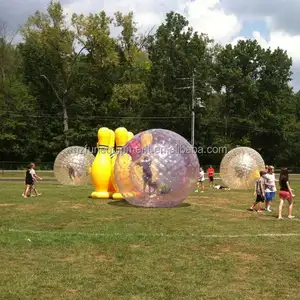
(240, 168)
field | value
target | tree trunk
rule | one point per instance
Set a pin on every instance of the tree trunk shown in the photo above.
(66, 123)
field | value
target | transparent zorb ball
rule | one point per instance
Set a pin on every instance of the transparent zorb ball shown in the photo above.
(157, 168)
(240, 168)
(72, 166)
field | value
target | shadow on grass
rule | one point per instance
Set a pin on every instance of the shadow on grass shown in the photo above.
(124, 203)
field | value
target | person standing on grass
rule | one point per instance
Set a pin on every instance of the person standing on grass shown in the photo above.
(35, 180)
(259, 192)
(270, 187)
(285, 194)
(30, 180)
(210, 173)
(200, 181)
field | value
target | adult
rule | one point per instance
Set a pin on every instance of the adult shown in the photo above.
(285, 194)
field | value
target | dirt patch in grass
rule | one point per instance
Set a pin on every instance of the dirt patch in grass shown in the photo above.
(78, 206)
(244, 256)
(139, 246)
(102, 257)
(198, 197)
(26, 207)
(71, 291)
(6, 204)
(112, 218)
(67, 259)
(197, 248)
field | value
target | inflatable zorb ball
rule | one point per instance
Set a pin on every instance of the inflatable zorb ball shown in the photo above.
(72, 166)
(157, 168)
(240, 168)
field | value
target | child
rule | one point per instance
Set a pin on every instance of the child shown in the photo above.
(259, 191)
(28, 181)
(286, 193)
(35, 179)
(200, 180)
(221, 187)
(270, 186)
(145, 163)
(210, 173)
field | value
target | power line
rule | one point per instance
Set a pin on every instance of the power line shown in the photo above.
(58, 116)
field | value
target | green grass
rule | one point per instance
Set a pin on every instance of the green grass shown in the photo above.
(21, 174)
(63, 245)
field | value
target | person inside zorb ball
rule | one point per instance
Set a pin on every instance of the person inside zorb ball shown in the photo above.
(157, 168)
(240, 168)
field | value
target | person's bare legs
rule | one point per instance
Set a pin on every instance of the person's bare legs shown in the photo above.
(197, 190)
(202, 186)
(35, 191)
(253, 205)
(27, 191)
(24, 193)
(259, 207)
(281, 201)
(291, 204)
(267, 204)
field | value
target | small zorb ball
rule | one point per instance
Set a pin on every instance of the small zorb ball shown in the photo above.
(240, 168)
(72, 166)
(157, 168)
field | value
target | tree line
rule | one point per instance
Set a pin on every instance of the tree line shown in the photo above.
(70, 76)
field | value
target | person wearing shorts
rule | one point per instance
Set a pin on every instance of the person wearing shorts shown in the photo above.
(259, 192)
(35, 180)
(210, 173)
(285, 194)
(200, 181)
(270, 186)
(28, 181)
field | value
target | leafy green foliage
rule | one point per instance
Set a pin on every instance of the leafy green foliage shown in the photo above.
(69, 77)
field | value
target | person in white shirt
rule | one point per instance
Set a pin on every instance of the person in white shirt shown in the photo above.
(200, 180)
(35, 179)
(270, 187)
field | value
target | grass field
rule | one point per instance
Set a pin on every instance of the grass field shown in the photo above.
(63, 245)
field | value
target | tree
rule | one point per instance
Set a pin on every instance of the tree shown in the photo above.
(175, 52)
(16, 105)
(129, 92)
(255, 93)
(52, 61)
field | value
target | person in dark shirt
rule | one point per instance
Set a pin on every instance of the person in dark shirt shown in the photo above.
(145, 163)
(285, 194)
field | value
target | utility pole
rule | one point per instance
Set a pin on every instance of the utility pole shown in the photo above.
(193, 111)
(194, 104)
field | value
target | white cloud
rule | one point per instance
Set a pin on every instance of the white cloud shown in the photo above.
(203, 15)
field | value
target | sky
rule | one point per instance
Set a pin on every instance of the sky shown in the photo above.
(273, 23)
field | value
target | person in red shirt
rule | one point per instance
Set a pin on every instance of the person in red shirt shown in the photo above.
(210, 173)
